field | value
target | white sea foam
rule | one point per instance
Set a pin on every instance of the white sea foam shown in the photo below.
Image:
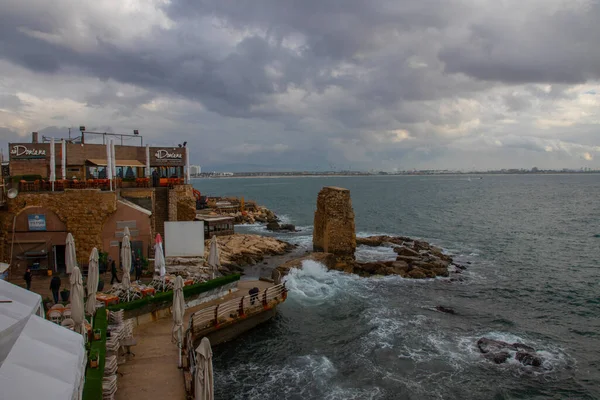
(304, 376)
(313, 283)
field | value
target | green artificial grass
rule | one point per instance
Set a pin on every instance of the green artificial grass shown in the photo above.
(92, 388)
(167, 297)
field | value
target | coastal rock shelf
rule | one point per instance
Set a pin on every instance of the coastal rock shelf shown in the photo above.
(239, 250)
(415, 259)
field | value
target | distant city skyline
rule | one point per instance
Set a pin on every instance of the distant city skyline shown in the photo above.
(288, 85)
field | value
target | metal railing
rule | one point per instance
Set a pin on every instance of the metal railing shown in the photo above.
(231, 310)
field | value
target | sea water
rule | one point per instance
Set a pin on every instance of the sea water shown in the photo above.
(532, 249)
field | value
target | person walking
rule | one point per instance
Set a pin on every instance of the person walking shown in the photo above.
(113, 271)
(138, 269)
(55, 287)
(27, 278)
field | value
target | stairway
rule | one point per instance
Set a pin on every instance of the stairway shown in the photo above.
(161, 210)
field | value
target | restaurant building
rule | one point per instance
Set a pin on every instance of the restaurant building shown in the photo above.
(147, 187)
(83, 161)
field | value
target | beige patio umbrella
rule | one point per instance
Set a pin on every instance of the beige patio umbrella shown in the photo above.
(70, 254)
(92, 282)
(204, 372)
(126, 264)
(77, 311)
(213, 257)
(178, 310)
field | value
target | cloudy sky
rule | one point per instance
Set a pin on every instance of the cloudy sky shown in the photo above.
(313, 84)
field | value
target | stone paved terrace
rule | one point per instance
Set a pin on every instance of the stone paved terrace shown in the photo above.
(152, 373)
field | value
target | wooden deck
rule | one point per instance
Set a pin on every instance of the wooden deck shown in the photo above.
(153, 372)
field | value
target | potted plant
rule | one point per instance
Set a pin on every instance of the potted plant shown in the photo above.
(102, 262)
(94, 360)
(48, 302)
(64, 294)
(97, 334)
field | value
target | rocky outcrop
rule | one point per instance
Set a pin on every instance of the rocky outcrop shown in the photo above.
(416, 259)
(238, 250)
(334, 230)
(275, 226)
(499, 352)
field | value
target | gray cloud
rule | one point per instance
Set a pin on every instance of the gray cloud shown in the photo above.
(243, 77)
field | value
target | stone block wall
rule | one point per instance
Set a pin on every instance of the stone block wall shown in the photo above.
(83, 212)
(334, 229)
(182, 203)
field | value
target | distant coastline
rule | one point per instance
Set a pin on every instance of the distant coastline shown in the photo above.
(407, 173)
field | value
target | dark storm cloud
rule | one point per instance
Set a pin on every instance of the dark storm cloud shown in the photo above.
(331, 72)
(545, 47)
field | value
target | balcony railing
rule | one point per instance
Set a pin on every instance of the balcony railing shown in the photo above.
(102, 184)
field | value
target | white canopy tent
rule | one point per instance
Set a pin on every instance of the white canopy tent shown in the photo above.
(14, 315)
(40, 359)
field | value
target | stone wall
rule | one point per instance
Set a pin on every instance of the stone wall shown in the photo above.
(83, 212)
(182, 203)
(334, 230)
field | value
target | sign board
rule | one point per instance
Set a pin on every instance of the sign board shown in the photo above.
(114, 243)
(167, 156)
(37, 222)
(184, 239)
(22, 151)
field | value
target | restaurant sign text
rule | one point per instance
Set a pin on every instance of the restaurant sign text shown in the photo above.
(21, 151)
(166, 155)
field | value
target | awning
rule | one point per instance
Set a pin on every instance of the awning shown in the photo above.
(119, 163)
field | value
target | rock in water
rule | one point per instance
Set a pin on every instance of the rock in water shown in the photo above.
(446, 310)
(498, 358)
(334, 229)
(498, 352)
(493, 346)
(528, 359)
(273, 226)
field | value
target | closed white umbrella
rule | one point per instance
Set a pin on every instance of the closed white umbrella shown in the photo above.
(126, 263)
(178, 311)
(109, 163)
(52, 163)
(70, 254)
(204, 387)
(77, 312)
(187, 165)
(213, 257)
(92, 282)
(63, 161)
(147, 161)
(114, 159)
(159, 263)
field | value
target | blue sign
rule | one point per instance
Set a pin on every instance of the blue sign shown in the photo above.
(37, 222)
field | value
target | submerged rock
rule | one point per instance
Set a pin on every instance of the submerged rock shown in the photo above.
(499, 357)
(277, 227)
(527, 358)
(446, 310)
(499, 351)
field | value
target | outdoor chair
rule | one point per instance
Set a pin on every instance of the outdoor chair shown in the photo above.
(109, 387)
(66, 313)
(68, 323)
(110, 365)
(55, 316)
